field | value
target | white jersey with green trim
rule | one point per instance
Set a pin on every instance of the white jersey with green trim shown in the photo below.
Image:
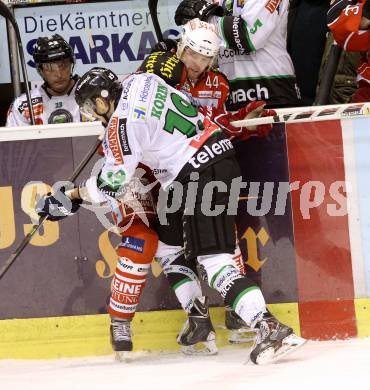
(158, 126)
(253, 54)
(47, 109)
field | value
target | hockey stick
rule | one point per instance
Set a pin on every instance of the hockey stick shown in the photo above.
(310, 114)
(331, 67)
(5, 12)
(152, 4)
(35, 228)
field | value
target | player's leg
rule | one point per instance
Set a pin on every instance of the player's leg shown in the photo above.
(197, 335)
(135, 254)
(240, 332)
(210, 237)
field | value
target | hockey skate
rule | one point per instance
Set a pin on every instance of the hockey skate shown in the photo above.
(240, 332)
(274, 340)
(120, 336)
(197, 337)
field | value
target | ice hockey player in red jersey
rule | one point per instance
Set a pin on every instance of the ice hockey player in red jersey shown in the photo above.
(253, 52)
(349, 22)
(148, 121)
(54, 101)
(188, 65)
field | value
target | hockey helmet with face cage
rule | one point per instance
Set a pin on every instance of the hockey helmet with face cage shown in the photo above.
(97, 82)
(52, 49)
(201, 37)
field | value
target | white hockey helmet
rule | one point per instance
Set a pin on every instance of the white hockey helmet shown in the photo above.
(200, 37)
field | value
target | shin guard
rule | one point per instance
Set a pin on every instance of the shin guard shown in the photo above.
(136, 252)
(238, 291)
(180, 273)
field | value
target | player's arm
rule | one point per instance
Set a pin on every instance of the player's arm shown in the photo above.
(17, 115)
(249, 31)
(224, 118)
(122, 151)
(350, 24)
(109, 184)
(245, 33)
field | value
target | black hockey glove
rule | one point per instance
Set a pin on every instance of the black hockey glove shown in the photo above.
(191, 9)
(57, 206)
(165, 45)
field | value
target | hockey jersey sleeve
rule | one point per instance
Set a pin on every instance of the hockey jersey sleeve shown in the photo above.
(249, 31)
(17, 115)
(122, 154)
(344, 18)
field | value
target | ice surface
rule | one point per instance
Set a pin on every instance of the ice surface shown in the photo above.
(329, 365)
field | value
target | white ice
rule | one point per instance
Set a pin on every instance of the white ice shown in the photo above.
(329, 365)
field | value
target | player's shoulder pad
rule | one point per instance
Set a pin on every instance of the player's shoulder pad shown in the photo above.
(164, 64)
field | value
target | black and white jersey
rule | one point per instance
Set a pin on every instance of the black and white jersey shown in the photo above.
(47, 109)
(253, 53)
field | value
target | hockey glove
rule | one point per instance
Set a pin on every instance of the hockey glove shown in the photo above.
(253, 110)
(57, 206)
(191, 9)
(165, 45)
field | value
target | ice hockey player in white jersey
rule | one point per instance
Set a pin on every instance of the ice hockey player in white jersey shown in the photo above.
(54, 101)
(253, 55)
(150, 122)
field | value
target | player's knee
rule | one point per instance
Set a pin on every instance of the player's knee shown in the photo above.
(213, 267)
(174, 265)
(139, 243)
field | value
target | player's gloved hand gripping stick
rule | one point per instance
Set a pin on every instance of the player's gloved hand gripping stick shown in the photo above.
(51, 201)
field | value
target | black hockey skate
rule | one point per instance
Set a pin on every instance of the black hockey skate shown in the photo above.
(274, 340)
(240, 332)
(197, 337)
(120, 337)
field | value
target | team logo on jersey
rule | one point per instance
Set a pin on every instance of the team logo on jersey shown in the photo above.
(122, 136)
(113, 141)
(257, 93)
(159, 101)
(143, 96)
(135, 244)
(60, 116)
(271, 5)
(126, 89)
(112, 181)
(236, 34)
(205, 94)
(35, 101)
(207, 153)
(139, 112)
(157, 171)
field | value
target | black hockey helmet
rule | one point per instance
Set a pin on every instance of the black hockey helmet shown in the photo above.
(51, 49)
(97, 82)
